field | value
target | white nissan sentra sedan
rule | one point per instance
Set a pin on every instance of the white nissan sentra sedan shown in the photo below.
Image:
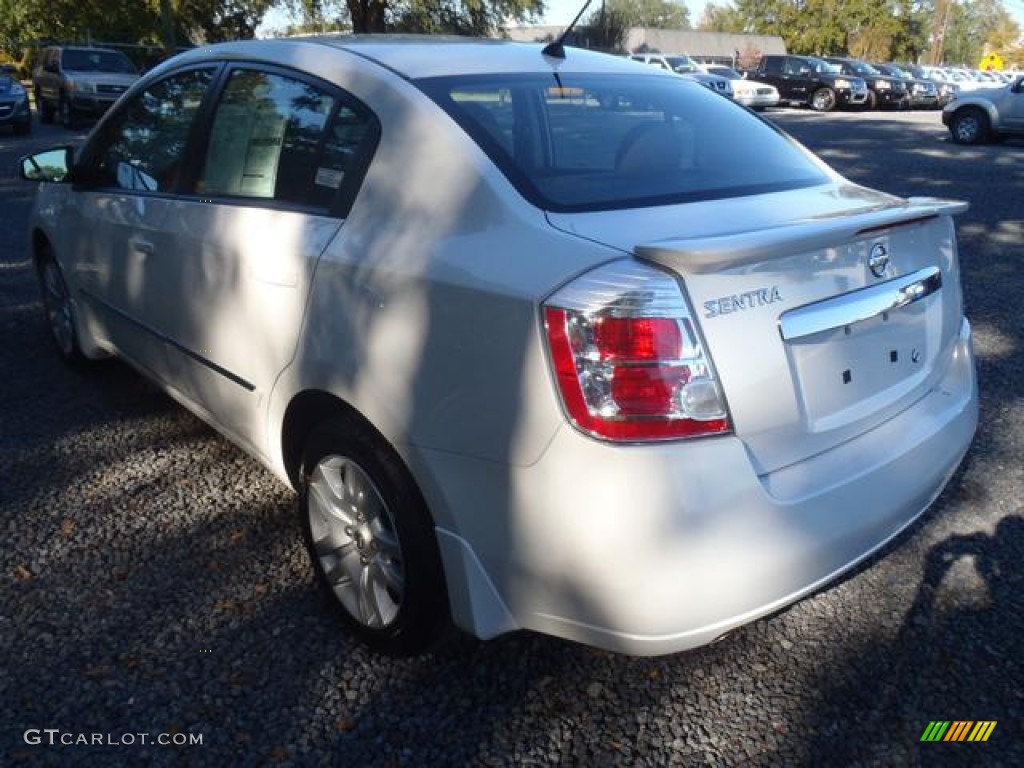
(543, 343)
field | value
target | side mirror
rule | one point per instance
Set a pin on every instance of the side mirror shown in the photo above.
(53, 165)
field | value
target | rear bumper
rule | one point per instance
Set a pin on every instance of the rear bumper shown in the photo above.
(654, 550)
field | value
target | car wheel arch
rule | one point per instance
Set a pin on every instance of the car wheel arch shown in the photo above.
(306, 411)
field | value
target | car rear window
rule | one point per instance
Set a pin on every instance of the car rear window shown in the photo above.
(597, 142)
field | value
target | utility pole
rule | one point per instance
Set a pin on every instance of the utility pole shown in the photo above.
(939, 27)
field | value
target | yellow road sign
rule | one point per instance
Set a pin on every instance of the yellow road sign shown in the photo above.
(991, 61)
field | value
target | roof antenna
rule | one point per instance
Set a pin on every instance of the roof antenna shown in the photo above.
(555, 49)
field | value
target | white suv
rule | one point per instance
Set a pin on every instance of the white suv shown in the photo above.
(683, 65)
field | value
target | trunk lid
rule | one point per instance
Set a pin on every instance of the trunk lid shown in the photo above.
(825, 311)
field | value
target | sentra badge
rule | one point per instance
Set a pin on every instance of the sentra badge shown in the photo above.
(739, 302)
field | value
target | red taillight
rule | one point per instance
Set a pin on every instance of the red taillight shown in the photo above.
(647, 391)
(638, 339)
(627, 376)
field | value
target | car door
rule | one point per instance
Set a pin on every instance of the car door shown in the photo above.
(282, 160)
(1014, 105)
(127, 177)
(797, 76)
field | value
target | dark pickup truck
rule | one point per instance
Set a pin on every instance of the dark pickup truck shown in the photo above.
(883, 91)
(811, 81)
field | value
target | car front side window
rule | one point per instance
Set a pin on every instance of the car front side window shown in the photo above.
(143, 148)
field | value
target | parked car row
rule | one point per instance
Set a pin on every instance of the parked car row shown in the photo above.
(719, 78)
(830, 82)
(70, 82)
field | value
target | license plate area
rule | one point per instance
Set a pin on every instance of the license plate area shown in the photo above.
(849, 372)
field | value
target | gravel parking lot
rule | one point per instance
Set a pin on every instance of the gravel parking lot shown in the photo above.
(153, 584)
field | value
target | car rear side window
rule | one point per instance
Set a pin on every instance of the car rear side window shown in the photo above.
(142, 149)
(593, 142)
(282, 139)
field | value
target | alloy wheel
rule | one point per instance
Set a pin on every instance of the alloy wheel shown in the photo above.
(57, 302)
(967, 128)
(354, 538)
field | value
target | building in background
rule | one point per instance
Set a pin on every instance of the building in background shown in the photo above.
(703, 46)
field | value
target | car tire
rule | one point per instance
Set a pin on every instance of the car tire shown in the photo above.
(66, 113)
(23, 129)
(969, 126)
(371, 539)
(60, 311)
(872, 102)
(45, 110)
(823, 100)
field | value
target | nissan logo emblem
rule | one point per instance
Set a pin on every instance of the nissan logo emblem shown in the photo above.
(878, 259)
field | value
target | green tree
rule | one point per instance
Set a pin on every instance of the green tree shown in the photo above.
(605, 29)
(314, 16)
(657, 14)
(214, 21)
(460, 17)
(971, 26)
(721, 18)
(31, 22)
(1004, 34)
(936, 30)
(911, 37)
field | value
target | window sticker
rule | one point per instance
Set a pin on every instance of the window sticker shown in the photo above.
(329, 177)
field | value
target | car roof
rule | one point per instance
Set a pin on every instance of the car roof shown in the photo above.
(420, 56)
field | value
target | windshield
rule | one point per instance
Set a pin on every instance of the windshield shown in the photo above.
(593, 142)
(863, 69)
(681, 63)
(97, 61)
(893, 71)
(732, 74)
